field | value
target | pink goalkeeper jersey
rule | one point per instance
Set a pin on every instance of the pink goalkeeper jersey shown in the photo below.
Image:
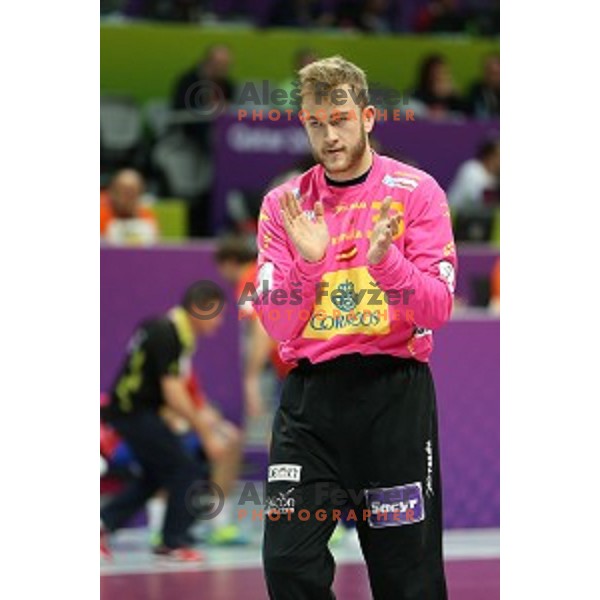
(341, 304)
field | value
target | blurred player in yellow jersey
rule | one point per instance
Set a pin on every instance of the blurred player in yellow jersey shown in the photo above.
(149, 404)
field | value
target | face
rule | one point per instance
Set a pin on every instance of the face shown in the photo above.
(441, 80)
(220, 62)
(337, 130)
(492, 72)
(305, 59)
(495, 161)
(229, 270)
(125, 194)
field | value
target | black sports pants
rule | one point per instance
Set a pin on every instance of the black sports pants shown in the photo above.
(166, 464)
(361, 431)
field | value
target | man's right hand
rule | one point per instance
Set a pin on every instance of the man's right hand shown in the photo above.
(310, 238)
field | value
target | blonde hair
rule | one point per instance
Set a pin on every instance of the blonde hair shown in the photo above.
(322, 76)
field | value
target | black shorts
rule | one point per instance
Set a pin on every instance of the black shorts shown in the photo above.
(355, 432)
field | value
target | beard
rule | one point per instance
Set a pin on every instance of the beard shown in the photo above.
(347, 160)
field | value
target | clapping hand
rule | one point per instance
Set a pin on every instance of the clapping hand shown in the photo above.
(383, 233)
(310, 238)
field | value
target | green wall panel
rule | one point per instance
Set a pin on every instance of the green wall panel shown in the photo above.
(145, 59)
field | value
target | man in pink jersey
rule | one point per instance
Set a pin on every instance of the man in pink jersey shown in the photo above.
(356, 269)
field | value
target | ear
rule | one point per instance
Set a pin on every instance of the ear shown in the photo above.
(368, 115)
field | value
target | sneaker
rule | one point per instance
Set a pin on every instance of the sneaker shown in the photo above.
(104, 548)
(185, 555)
(156, 539)
(228, 535)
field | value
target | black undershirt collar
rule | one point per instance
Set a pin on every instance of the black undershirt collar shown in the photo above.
(356, 181)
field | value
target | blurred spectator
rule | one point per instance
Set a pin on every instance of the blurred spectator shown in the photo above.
(186, 10)
(374, 17)
(123, 217)
(477, 181)
(302, 57)
(204, 90)
(436, 91)
(440, 16)
(363, 15)
(348, 14)
(484, 98)
(495, 288)
(299, 13)
(484, 18)
(162, 10)
(200, 95)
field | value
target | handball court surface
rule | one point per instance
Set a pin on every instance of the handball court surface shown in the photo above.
(472, 570)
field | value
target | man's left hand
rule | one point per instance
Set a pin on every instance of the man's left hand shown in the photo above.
(383, 233)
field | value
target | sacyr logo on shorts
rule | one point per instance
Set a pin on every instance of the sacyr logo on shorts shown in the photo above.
(284, 473)
(395, 506)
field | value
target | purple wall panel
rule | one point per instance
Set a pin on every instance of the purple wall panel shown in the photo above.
(466, 370)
